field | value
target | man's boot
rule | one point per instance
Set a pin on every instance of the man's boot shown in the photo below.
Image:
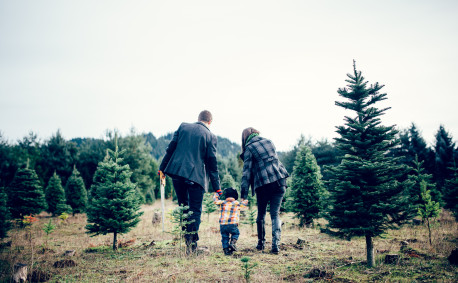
(232, 245)
(276, 235)
(261, 235)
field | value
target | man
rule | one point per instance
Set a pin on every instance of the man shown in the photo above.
(189, 160)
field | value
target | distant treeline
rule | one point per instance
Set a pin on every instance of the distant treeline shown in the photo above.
(143, 153)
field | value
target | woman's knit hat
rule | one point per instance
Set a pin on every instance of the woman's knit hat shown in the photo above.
(231, 193)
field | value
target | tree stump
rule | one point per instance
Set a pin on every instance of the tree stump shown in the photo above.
(392, 259)
(300, 242)
(404, 245)
(69, 253)
(20, 272)
(156, 218)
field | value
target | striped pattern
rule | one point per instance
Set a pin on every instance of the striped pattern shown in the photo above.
(260, 165)
(229, 209)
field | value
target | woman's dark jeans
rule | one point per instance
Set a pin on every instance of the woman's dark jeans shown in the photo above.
(190, 194)
(272, 193)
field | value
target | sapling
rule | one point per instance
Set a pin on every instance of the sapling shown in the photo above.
(48, 228)
(247, 267)
(180, 216)
(427, 208)
(209, 205)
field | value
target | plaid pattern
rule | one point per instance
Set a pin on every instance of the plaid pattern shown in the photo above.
(260, 165)
(229, 209)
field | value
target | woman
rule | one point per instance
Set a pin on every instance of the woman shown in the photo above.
(267, 177)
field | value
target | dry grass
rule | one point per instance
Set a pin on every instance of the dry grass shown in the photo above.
(138, 261)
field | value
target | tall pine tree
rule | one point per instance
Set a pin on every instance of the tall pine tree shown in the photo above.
(25, 194)
(76, 192)
(54, 193)
(444, 150)
(114, 205)
(366, 198)
(451, 193)
(307, 189)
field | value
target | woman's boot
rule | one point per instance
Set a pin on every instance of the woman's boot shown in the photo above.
(261, 235)
(276, 235)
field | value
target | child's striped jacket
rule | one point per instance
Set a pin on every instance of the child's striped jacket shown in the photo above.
(229, 209)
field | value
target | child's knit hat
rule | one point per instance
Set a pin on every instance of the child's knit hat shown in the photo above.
(231, 193)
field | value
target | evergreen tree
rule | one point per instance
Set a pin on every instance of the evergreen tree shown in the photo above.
(5, 224)
(208, 204)
(58, 155)
(451, 193)
(114, 205)
(228, 181)
(307, 189)
(366, 197)
(76, 192)
(54, 193)
(139, 159)
(25, 194)
(428, 208)
(417, 177)
(444, 150)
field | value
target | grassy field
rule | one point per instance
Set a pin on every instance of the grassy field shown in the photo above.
(149, 255)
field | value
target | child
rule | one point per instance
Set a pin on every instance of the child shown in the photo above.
(229, 218)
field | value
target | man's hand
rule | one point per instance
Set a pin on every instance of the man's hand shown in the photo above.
(161, 177)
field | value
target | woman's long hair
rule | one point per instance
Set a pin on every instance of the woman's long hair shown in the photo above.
(245, 134)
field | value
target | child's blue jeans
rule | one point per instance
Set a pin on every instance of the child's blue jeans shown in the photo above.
(229, 231)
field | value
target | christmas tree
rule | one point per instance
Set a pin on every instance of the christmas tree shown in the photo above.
(76, 192)
(25, 194)
(451, 193)
(307, 190)
(366, 198)
(54, 193)
(114, 205)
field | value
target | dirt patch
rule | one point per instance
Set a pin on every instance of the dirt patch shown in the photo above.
(39, 276)
(319, 273)
(64, 263)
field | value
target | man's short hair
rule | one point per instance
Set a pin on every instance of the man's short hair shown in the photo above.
(205, 116)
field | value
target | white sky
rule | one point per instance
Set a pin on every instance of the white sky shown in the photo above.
(87, 66)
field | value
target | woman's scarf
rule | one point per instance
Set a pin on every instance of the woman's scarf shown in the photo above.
(250, 137)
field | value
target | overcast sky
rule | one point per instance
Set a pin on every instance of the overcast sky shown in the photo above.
(87, 66)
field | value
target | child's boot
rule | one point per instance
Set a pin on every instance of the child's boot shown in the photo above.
(227, 251)
(232, 245)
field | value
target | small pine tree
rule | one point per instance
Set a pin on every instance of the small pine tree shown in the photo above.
(451, 193)
(417, 177)
(76, 192)
(5, 224)
(209, 205)
(114, 206)
(180, 216)
(307, 189)
(54, 193)
(428, 208)
(25, 194)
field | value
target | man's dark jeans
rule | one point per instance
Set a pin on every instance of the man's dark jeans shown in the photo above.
(228, 231)
(190, 194)
(272, 193)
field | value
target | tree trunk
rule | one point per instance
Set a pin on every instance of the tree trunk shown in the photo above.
(429, 230)
(370, 251)
(115, 246)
